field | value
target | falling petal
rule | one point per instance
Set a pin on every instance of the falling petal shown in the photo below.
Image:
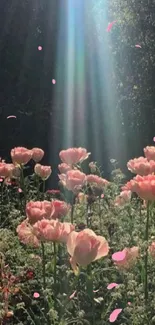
(154, 139)
(114, 315)
(96, 290)
(118, 256)
(72, 295)
(110, 25)
(129, 303)
(36, 295)
(53, 81)
(40, 48)
(1, 180)
(112, 285)
(138, 46)
(11, 116)
(20, 190)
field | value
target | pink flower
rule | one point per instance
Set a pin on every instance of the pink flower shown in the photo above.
(141, 166)
(52, 230)
(144, 186)
(126, 258)
(27, 234)
(39, 210)
(149, 152)
(37, 154)
(43, 172)
(66, 229)
(73, 180)
(61, 209)
(114, 315)
(112, 285)
(6, 170)
(73, 156)
(64, 168)
(96, 180)
(21, 155)
(36, 295)
(124, 197)
(151, 249)
(86, 247)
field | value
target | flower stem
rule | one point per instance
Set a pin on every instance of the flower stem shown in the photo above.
(43, 265)
(72, 209)
(146, 254)
(23, 184)
(90, 292)
(55, 264)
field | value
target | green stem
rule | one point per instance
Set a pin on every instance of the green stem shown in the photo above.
(23, 184)
(146, 254)
(55, 264)
(43, 186)
(43, 265)
(90, 292)
(72, 209)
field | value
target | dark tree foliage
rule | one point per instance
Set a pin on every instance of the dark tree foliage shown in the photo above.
(134, 69)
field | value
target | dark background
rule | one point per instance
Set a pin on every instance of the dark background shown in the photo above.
(26, 89)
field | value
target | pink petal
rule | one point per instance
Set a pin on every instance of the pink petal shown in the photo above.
(20, 190)
(96, 290)
(112, 285)
(1, 180)
(110, 25)
(72, 295)
(40, 48)
(36, 295)
(129, 303)
(118, 256)
(114, 315)
(53, 81)
(154, 139)
(11, 116)
(138, 46)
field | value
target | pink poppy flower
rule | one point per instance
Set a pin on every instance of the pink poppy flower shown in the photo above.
(85, 247)
(144, 186)
(73, 180)
(123, 198)
(141, 166)
(43, 172)
(149, 152)
(37, 210)
(126, 258)
(96, 181)
(61, 208)
(21, 155)
(64, 168)
(73, 156)
(37, 154)
(27, 234)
